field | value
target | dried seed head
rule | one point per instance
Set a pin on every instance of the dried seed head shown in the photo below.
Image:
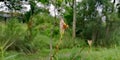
(63, 26)
(89, 42)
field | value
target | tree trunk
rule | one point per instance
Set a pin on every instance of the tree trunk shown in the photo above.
(51, 53)
(52, 31)
(94, 36)
(74, 18)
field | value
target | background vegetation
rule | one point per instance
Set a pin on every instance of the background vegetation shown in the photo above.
(35, 34)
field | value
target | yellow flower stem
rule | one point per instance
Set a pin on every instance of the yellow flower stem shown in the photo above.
(58, 44)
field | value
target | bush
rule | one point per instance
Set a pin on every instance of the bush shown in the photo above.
(68, 42)
(44, 23)
(12, 31)
(41, 42)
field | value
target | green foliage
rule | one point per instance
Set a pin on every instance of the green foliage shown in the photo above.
(90, 24)
(44, 1)
(44, 23)
(116, 37)
(13, 4)
(59, 2)
(16, 36)
(13, 31)
(10, 34)
(41, 42)
(33, 11)
(72, 43)
(68, 15)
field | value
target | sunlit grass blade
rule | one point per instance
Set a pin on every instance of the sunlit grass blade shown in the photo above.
(11, 56)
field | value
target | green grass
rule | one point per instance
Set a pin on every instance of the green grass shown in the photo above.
(69, 48)
(102, 54)
(69, 54)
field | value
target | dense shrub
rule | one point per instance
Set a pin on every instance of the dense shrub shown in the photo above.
(12, 32)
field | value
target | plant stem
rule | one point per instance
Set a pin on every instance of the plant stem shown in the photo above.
(2, 54)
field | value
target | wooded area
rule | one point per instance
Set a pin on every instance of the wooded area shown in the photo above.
(60, 30)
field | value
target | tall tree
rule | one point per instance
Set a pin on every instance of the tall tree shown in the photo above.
(74, 19)
(13, 5)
